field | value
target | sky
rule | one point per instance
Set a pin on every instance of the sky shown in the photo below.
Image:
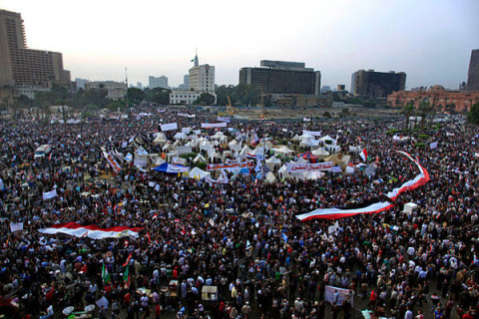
(430, 40)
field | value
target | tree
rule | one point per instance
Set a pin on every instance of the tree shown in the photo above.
(158, 95)
(473, 114)
(205, 99)
(222, 93)
(247, 94)
(408, 110)
(23, 101)
(135, 96)
(424, 109)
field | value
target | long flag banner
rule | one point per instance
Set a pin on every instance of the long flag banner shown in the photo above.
(213, 125)
(112, 161)
(169, 127)
(91, 231)
(335, 213)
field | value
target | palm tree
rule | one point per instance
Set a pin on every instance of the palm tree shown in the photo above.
(408, 110)
(424, 109)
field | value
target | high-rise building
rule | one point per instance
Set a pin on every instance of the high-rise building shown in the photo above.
(158, 82)
(473, 74)
(23, 67)
(377, 84)
(139, 85)
(202, 77)
(280, 77)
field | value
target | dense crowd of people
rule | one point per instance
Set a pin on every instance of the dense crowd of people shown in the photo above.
(241, 237)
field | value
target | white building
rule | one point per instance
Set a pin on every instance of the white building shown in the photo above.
(184, 97)
(115, 90)
(202, 78)
(158, 82)
(30, 90)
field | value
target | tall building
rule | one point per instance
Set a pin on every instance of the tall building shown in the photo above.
(23, 67)
(473, 74)
(158, 82)
(280, 77)
(202, 77)
(377, 84)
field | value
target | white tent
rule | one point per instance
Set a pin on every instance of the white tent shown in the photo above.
(320, 152)
(234, 145)
(328, 140)
(282, 149)
(219, 136)
(199, 158)
(179, 136)
(159, 138)
(245, 150)
(273, 162)
(206, 146)
(214, 155)
(270, 178)
(198, 173)
(283, 171)
(167, 147)
(308, 141)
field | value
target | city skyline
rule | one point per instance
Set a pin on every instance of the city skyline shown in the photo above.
(431, 41)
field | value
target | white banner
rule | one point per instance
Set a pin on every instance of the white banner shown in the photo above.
(50, 194)
(296, 167)
(225, 119)
(230, 167)
(169, 127)
(312, 133)
(213, 125)
(190, 116)
(337, 296)
(16, 227)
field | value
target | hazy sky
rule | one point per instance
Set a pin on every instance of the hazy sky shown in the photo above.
(430, 40)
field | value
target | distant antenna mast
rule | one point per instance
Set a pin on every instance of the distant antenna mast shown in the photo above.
(195, 60)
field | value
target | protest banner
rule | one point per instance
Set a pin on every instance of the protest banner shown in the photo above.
(49, 195)
(213, 125)
(341, 295)
(169, 127)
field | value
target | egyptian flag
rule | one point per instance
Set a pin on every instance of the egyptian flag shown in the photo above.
(126, 277)
(364, 154)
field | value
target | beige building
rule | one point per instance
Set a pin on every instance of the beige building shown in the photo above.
(201, 77)
(20, 66)
(115, 90)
